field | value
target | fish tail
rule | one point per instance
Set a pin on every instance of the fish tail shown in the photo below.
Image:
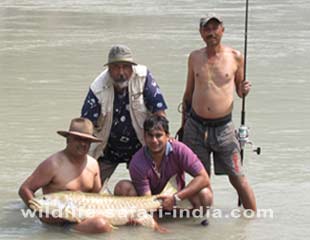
(105, 189)
(171, 186)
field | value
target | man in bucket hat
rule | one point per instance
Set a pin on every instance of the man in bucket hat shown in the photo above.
(118, 102)
(69, 169)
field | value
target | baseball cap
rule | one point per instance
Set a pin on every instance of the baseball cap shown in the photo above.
(204, 20)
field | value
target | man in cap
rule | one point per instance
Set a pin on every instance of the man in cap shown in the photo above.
(214, 72)
(118, 102)
(69, 169)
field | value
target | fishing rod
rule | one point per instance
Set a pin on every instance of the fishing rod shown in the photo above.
(243, 131)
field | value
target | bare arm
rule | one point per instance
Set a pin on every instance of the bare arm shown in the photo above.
(97, 182)
(193, 187)
(242, 86)
(189, 89)
(41, 177)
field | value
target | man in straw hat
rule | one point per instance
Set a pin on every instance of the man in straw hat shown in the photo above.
(118, 102)
(69, 169)
(214, 73)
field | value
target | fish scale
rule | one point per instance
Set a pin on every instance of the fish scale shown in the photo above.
(117, 210)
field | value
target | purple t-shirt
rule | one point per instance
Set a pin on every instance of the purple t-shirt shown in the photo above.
(178, 159)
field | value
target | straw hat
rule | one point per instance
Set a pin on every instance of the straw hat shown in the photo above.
(81, 127)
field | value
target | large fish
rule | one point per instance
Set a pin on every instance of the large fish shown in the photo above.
(117, 210)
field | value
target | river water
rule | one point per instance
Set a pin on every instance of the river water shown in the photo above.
(50, 51)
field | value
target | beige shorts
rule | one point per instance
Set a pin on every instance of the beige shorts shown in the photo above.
(221, 141)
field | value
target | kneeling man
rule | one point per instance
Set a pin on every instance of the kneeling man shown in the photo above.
(70, 169)
(159, 160)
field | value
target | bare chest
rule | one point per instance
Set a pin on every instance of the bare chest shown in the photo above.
(214, 74)
(74, 179)
(219, 71)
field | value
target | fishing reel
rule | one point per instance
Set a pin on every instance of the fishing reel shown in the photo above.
(243, 137)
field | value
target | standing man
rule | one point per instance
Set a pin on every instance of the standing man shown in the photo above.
(118, 102)
(214, 72)
(160, 159)
(70, 169)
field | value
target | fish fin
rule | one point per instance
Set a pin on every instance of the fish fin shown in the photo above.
(171, 188)
(147, 220)
(105, 190)
(70, 215)
(112, 226)
(160, 229)
(144, 219)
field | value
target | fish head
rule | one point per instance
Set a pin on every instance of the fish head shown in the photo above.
(48, 203)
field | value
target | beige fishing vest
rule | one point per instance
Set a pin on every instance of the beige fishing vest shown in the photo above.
(103, 89)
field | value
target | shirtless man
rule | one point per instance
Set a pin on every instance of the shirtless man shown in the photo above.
(214, 73)
(69, 169)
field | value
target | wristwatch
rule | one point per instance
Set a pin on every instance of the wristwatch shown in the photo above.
(177, 200)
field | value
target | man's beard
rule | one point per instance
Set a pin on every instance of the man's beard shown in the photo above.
(120, 82)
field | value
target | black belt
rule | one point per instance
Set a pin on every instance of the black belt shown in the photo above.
(216, 122)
